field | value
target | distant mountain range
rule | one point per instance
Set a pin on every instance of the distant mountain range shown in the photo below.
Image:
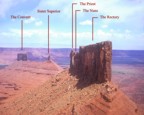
(61, 56)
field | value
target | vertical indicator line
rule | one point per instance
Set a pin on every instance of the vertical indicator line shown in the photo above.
(93, 27)
(76, 29)
(72, 24)
(48, 36)
(21, 34)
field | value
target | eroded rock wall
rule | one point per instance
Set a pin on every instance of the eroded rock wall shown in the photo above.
(93, 62)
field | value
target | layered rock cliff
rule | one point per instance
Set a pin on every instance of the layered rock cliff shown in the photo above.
(93, 62)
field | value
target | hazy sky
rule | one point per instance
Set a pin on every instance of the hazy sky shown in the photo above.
(127, 32)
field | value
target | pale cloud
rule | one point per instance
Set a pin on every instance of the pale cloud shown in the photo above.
(63, 5)
(103, 35)
(104, 26)
(28, 21)
(84, 34)
(127, 31)
(38, 23)
(52, 3)
(117, 7)
(5, 5)
(42, 33)
(112, 30)
(130, 24)
(86, 22)
(14, 32)
(126, 10)
(39, 36)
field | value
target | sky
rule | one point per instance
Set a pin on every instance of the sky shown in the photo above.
(126, 33)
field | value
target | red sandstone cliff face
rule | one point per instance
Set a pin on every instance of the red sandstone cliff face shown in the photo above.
(93, 62)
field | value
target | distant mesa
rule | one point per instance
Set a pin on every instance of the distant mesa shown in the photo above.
(21, 57)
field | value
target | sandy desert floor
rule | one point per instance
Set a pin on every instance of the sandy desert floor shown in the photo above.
(130, 79)
(64, 94)
(21, 77)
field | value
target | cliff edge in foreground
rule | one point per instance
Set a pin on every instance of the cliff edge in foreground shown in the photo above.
(64, 95)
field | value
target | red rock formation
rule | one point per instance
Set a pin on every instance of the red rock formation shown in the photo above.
(93, 62)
